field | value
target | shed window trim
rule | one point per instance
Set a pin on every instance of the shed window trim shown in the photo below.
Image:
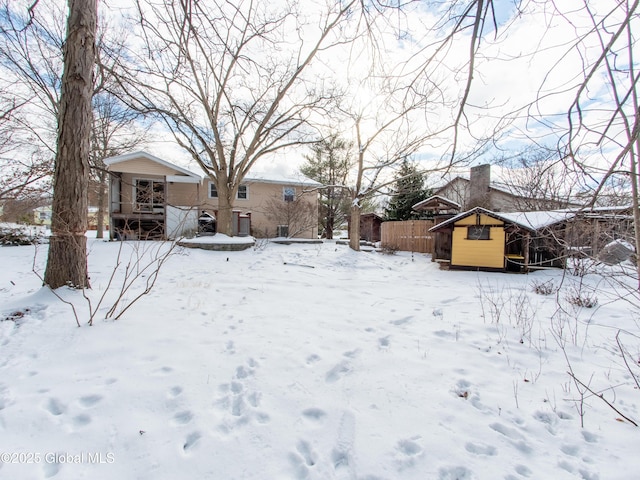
(478, 232)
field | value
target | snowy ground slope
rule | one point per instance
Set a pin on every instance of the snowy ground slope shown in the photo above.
(311, 362)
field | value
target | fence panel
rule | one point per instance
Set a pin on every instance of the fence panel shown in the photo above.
(408, 236)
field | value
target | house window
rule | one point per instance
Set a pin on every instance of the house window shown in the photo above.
(213, 190)
(149, 195)
(289, 194)
(243, 192)
(282, 231)
(478, 232)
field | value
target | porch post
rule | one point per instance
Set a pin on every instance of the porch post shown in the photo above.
(525, 254)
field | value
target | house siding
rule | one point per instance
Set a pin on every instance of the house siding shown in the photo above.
(142, 166)
(260, 197)
(183, 194)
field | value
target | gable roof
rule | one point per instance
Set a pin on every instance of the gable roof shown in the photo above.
(184, 175)
(436, 202)
(181, 172)
(531, 221)
(493, 185)
(537, 220)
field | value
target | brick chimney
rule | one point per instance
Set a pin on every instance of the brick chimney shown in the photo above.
(479, 180)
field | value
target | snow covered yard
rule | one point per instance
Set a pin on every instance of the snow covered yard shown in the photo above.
(313, 362)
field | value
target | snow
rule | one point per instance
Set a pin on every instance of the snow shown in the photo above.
(312, 362)
(219, 238)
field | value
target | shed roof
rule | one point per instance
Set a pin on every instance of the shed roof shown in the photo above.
(531, 221)
(436, 202)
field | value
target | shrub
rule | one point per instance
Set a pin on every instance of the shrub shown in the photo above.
(544, 288)
(11, 235)
(580, 298)
(388, 249)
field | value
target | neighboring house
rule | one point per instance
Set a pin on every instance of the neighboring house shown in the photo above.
(152, 198)
(481, 239)
(480, 191)
(42, 215)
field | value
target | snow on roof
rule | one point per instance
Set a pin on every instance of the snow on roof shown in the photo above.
(436, 199)
(538, 220)
(258, 177)
(282, 179)
(528, 220)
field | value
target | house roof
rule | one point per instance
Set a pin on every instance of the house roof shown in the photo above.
(300, 180)
(492, 185)
(147, 156)
(502, 188)
(436, 202)
(183, 172)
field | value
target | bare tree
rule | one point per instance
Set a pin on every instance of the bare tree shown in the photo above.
(603, 134)
(24, 174)
(31, 43)
(229, 80)
(115, 131)
(294, 215)
(67, 259)
(539, 181)
(413, 101)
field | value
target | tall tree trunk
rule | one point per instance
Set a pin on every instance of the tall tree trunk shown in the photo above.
(354, 226)
(224, 217)
(67, 260)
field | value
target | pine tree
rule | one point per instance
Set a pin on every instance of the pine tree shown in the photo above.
(329, 164)
(408, 190)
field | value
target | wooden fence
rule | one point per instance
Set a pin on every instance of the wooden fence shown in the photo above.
(408, 236)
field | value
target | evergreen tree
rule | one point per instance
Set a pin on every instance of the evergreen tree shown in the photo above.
(408, 190)
(329, 164)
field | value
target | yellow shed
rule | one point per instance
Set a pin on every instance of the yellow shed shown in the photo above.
(483, 240)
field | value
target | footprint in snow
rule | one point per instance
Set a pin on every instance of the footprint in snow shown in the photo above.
(455, 473)
(408, 450)
(182, 418)
(311, 359)
(516, 438)
(306, 451)
(191, 441)
(51, 469)
(163, 371)
(338, 371)
(315, 415)
(401, 321)
(81, 420)
(55, 407)
(481, 449)
(239, 401)
(90, 400)
(175, 391)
